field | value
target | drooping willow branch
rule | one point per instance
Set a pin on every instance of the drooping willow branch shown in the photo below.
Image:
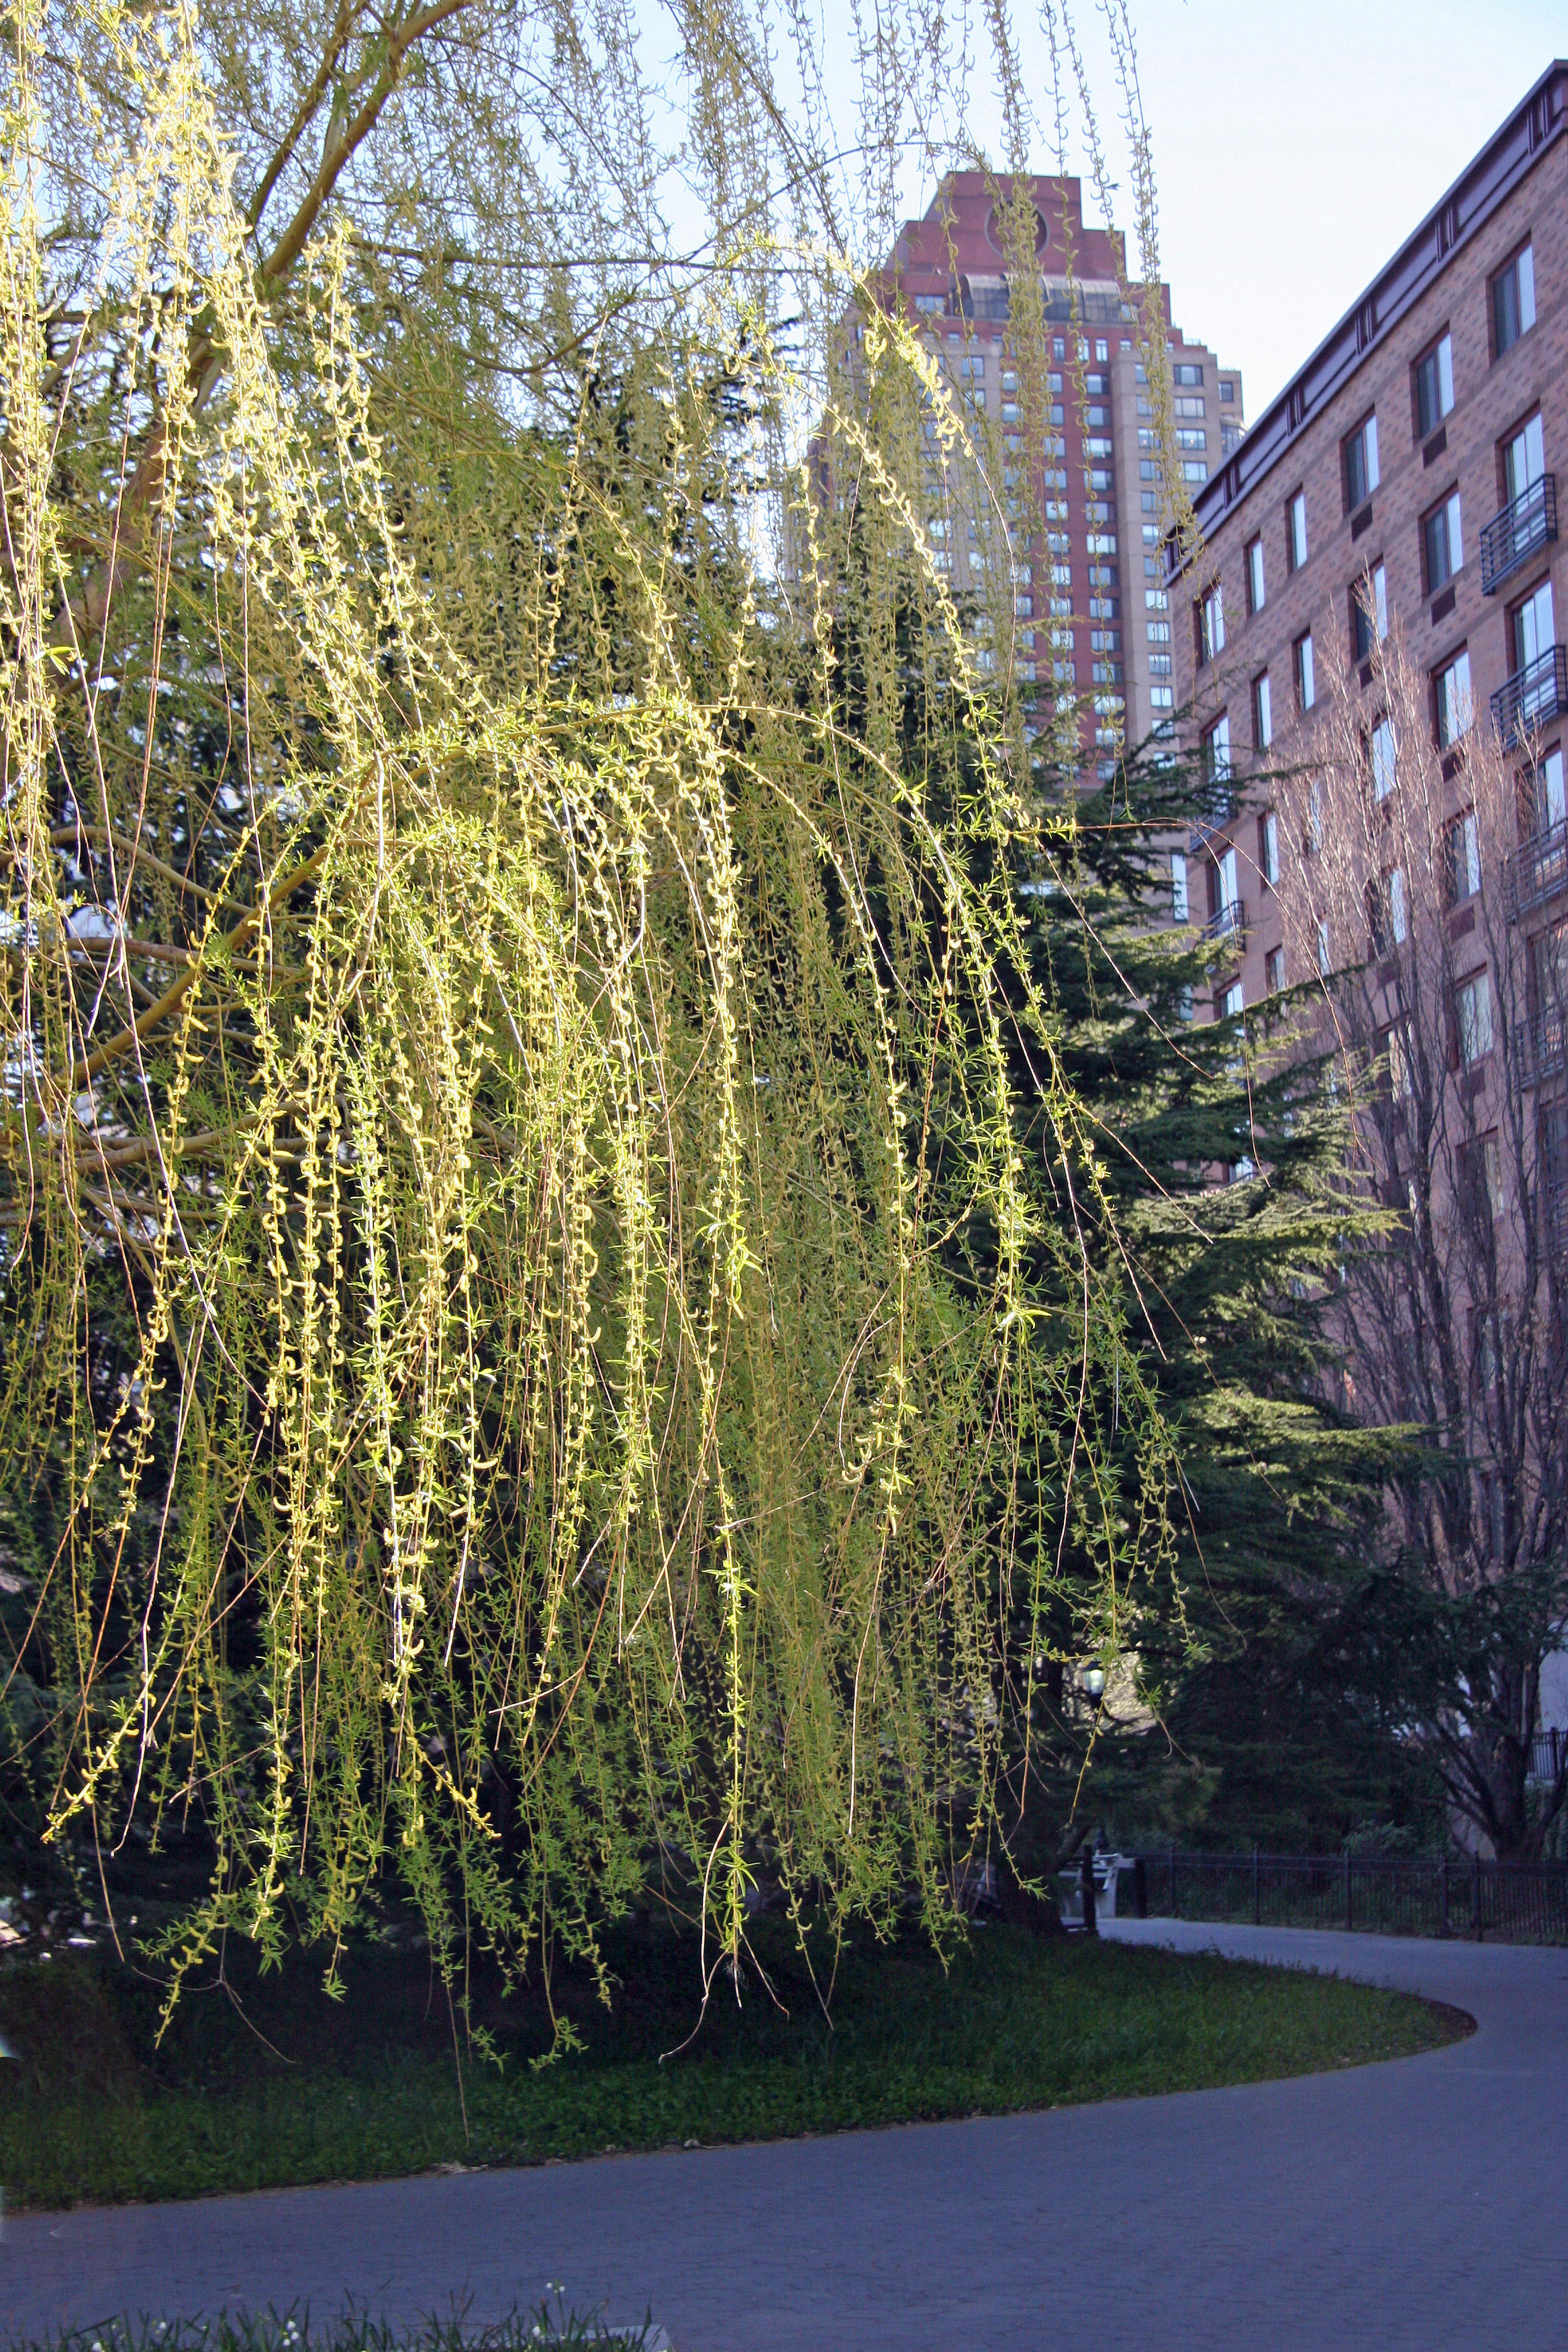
(546, 1411)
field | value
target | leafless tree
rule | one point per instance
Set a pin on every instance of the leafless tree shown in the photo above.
(1431, 895)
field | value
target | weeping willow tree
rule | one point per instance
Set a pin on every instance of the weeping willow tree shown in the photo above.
(523, 1305)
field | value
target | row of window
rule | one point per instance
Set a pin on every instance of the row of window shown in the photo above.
(1452, 700)
(1471, 1034)
(1511, 309)
(1442, 535)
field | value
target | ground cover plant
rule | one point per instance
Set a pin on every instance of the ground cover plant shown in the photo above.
(551, 2325)
(258, 2083)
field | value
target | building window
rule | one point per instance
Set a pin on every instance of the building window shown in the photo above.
(1216, 750)
(1533, 627)
(1256, 593)
(1306, 676)
(1461, 858)
(1401, 1078)
(1262, 714)
(1513, 301)
(1227, 392)
(1232, 1001)
(1433, 374)
(1323, 964)
(1382, 749)
(1473, 1019)
(1481, 1180)
(1268, 849)
(1211, 625)
(1187, 373)
(1359, 452)
(1398, 922)
(1274, 971)
(1377, 918)
(1523, 459)
(1192, 471)
(1369, 612)
(1295, 532)
(1455, 703)
(1442, 543)
(1178, 886)
(1542, 802)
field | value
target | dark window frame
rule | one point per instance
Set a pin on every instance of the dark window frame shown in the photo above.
(1354, 440)
(1294, 563)
(1495, 283)
(1253, 609)
(1439, 512)
(1424, 432)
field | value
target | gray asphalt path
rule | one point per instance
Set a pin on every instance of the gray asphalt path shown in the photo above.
(1417, 2204)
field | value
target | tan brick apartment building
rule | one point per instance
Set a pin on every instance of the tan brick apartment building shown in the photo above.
(1408, 469)
(1091, 611)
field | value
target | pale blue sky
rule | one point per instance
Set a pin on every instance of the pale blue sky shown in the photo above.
(1296, 147)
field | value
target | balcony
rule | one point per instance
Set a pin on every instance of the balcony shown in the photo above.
(1533, 696)
(1526, 524)
(1230, 922)
(1543, 1043)
(1537, 870)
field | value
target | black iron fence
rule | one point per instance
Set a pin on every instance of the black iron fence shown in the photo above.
(1514, 1902)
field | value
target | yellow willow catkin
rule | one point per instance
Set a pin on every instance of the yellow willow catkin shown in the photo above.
(494, 1370)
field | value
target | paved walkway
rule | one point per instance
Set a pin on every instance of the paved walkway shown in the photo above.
(1419, 2204)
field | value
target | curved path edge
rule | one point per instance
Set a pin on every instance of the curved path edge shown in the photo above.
(1412, 2204)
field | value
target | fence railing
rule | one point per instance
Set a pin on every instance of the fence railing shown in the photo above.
(1537, 870)
(1521, 1903)
(1525, 525)
(1544, 1043)
(1531, 696)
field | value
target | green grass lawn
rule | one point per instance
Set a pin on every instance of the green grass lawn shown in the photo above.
(264, 2082)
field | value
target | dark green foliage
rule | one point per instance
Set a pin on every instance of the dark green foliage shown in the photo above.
(1223, 1157)
(549, 2326)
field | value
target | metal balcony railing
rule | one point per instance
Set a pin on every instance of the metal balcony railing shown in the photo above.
(1531, 696)
(1536, 870)
(1543, 1043)
(1526, 523)
(1555, 1199)
(1231, 918)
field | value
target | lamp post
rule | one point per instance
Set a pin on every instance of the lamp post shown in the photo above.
(1091, 1682)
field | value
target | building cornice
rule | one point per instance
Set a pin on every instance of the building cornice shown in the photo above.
(1481, 189)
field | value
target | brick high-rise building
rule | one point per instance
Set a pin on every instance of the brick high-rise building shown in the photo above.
(1089, 521)
(1409, 469)
(1371, 634)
